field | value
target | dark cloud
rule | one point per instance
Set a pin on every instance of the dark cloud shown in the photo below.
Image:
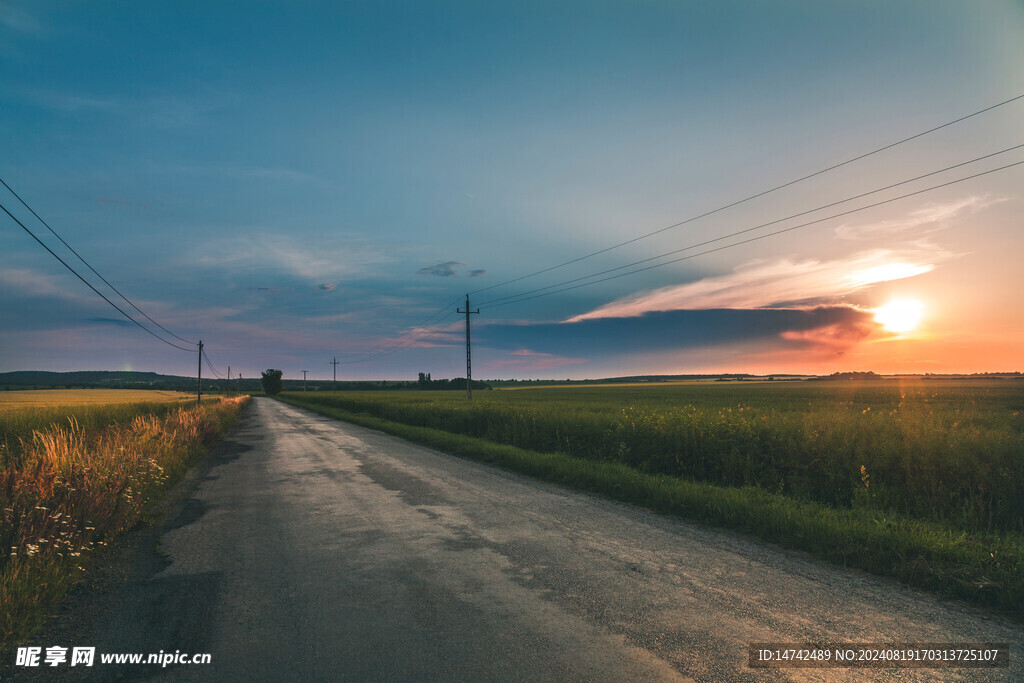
(833, 328)
(446, 269)
(836, 338)
(273, 290)
(449, 269)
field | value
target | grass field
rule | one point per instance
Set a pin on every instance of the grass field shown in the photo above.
(23, 412)
(921, 479)
(77, 397)
(72, 477)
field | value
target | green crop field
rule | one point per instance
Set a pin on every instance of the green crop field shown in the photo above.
(937, 459)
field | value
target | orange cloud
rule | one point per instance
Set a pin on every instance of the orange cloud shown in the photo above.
(761, 284)
(835, 339)
(925, 220)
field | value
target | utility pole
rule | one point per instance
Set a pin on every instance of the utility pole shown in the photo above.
(334, 386)
(199, 386)
(469, 358)
(304, 379)
(229, 380)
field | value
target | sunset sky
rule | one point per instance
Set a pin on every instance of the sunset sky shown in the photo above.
(293, 182)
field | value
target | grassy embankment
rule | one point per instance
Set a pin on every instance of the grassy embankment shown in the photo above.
(73, 477)
(923, 481)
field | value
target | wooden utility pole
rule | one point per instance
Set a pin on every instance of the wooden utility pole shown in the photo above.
(469, 357)
(334, 386)
(199, 385)
(304, 379)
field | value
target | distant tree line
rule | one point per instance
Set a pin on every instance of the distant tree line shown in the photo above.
(850, 375)
(425, 382)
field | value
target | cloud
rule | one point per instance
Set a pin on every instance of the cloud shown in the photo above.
(446, 269)
(761, 284)
(18, 19)
(28, 282)
(326, 287)
(527, 360)
(331, 261)
(833, 329)
(420, 338)
(927, 219)
(112, 321)
(449, 269)
(836, 338)
(158, 111)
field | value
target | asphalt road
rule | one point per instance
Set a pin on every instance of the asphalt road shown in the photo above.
(311, 549)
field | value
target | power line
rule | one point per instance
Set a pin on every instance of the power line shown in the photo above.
(756, 227)
(89, 285)
(753, 196)
(754, 239)
(82, 259)
(209, 364)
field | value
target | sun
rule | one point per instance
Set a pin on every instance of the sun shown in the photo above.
(900, 315)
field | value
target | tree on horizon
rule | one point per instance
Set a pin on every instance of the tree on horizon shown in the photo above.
(271, 381)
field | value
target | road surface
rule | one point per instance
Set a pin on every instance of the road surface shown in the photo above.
(317, 550)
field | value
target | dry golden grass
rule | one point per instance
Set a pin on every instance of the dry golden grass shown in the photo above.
(79, 397)
(68, 487)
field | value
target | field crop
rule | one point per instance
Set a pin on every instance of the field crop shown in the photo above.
(23, 412)
(54, 398)
(71, 478)
(925, 477)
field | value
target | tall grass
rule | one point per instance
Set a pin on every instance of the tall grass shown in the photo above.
(18, 422)
(71, 480)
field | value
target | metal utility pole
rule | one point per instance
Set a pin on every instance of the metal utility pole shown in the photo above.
(199, 386)
(304, 379)
(334, 386)
(469, 357)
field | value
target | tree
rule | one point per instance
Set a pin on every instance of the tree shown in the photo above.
(271, 381)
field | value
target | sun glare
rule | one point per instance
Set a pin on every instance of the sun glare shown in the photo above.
(900, 315)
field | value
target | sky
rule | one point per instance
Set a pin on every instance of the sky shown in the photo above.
(293, 183)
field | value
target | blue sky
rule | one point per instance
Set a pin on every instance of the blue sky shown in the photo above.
(292, 182)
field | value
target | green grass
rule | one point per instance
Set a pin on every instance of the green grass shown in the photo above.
(937, 503)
